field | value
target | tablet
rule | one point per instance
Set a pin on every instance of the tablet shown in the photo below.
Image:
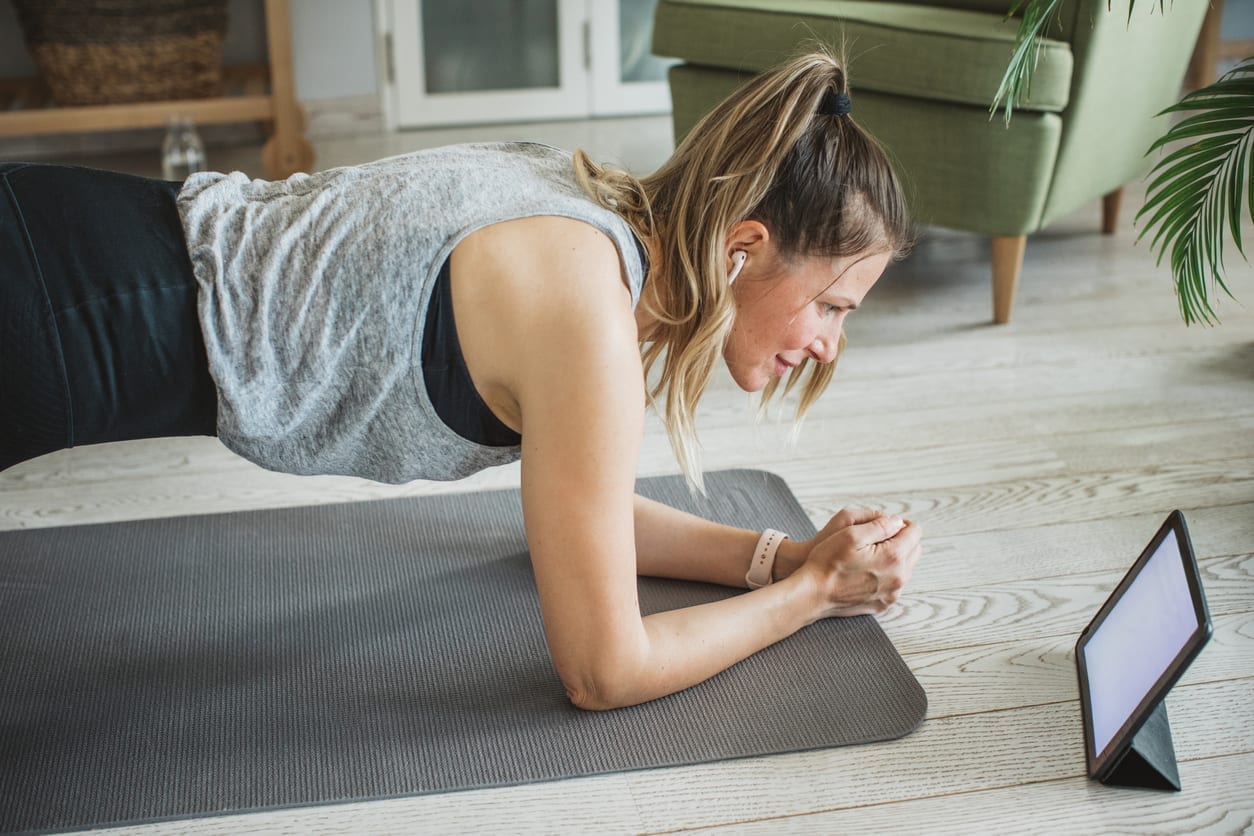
(1139, 643)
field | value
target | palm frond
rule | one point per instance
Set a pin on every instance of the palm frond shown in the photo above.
(1199, 190)
(1016, 83)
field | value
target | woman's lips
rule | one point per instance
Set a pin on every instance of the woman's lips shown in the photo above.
(781, 366)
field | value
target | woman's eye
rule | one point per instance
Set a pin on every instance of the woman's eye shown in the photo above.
(831, 310)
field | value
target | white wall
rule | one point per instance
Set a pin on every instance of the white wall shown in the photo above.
(333, 48)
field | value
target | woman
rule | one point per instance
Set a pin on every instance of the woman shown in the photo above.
(433, 314)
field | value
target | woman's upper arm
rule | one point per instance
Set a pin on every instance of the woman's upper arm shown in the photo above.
(579, 387)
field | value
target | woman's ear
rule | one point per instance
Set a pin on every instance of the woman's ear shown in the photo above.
(748, 236)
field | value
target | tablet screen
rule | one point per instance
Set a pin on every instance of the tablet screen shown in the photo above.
(1140, 639)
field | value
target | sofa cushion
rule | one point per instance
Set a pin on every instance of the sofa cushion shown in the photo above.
(908, 50)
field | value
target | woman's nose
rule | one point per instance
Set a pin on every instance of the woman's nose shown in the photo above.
(824, 348)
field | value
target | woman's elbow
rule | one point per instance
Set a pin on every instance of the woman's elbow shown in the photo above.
(585, 695)
(601, 687)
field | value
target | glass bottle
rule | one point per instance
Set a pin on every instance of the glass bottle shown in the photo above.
(182, 152)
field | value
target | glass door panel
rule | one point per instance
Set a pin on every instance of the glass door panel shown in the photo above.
(475, 61)
(490, 45)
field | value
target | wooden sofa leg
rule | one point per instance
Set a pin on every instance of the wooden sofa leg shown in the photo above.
(1007, 265)
(1110, 211)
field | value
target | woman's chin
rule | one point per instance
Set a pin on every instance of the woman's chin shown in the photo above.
(747, 378)
(750, 382)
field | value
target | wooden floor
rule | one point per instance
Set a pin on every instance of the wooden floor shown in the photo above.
(1040, 457)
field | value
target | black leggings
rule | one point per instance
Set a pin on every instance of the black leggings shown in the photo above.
(99, 339)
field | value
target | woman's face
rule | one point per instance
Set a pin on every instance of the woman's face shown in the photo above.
(788, 310)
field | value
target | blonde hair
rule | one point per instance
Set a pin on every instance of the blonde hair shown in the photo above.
(820, 184)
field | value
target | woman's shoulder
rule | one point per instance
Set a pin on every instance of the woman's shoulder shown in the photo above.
(546, 263)
(539, 282)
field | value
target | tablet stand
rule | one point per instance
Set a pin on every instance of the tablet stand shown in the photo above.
(1151, 759)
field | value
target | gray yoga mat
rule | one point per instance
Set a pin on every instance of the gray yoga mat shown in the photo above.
(182, 667)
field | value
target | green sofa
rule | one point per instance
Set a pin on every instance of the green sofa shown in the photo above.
(922, 77)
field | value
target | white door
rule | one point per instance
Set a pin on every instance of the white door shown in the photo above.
(469, 62)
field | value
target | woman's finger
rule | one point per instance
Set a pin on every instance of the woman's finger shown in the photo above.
(846, 518)
(877, 530)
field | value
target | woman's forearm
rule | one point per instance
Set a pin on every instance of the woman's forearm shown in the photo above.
(857, 565)
(686, 646)
(674, 650)
(673, 544)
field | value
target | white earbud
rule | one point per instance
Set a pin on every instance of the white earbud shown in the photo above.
(738, 263)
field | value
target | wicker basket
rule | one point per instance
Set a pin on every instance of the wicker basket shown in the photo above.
(93, 52)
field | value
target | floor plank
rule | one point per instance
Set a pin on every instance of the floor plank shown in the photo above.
(1013, 674)
(964, 559)
(1041, 607)
(1041, 501)
(1069, 805)
(963, 754)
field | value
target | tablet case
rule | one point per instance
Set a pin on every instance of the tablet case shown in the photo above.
(1150, 761)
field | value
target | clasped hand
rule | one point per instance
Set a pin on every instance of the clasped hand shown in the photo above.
(860, 561)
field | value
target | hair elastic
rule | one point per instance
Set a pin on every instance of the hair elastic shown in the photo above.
(835, 104)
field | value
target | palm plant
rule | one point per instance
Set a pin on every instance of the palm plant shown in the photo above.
(1199, 190)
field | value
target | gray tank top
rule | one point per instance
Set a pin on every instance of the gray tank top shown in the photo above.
(314, 290)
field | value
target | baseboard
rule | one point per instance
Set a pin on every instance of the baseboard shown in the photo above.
(326, 118)
(344, 116)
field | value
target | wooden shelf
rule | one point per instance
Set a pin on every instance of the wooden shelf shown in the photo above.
(285, 152)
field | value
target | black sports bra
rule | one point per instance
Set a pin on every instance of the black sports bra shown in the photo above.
(447, 379)
(449, 386)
